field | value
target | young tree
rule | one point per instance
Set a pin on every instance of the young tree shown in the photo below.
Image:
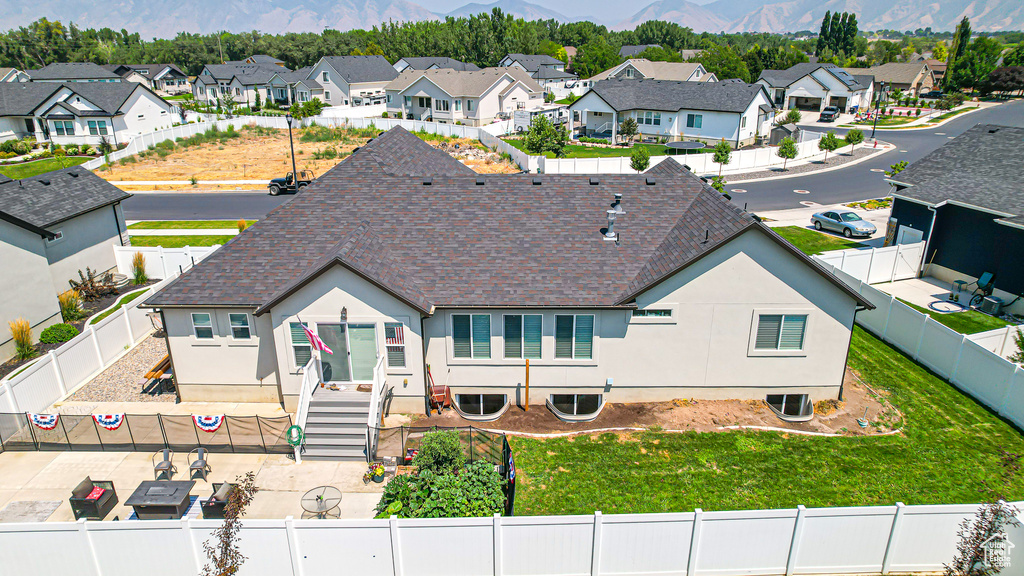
(571, 98)
(718, 183)
(791, 117)
(896, 168)
(224, 556)
(828, 143)
(543, 136)
(629, 129)
(854, 137)
(787, 151)
(640, 159)
(258, 104)
(989, 523)
(722, 155)
(1018, 356)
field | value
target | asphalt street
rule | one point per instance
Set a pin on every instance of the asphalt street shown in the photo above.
(857, 182)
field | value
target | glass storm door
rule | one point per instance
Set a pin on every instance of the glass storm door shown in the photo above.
(336, 366)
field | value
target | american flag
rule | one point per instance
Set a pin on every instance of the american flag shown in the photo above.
(393, 335)
(315, 341)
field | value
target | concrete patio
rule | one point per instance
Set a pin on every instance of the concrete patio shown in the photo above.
(51, 476)
(926, 292)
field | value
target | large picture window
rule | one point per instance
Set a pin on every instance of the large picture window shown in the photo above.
(780, 332)
(523, 335)
(574, 337)
(471, 335)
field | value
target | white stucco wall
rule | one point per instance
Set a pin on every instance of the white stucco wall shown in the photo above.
(27, 289)
(87, 240)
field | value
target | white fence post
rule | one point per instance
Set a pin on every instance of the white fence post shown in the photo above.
(794, 544)
(888, 315)
(920, 337)
(1009, 388)
(595, 558)
(83, 529)
(57, 374)
(894, 532)
(128, 324)
(11, 400)
(498, 569)
(187, 530)
(293, 546)
(396, 550)
(96, 344)
(691, 563)
(959, 355)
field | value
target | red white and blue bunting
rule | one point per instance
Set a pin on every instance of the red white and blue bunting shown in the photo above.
(44, 421)
(109, 421)
(208, 423)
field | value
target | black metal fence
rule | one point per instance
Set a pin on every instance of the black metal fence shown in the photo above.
(403, 442)
(146, 433)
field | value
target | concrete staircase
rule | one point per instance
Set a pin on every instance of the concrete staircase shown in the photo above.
(336, 425)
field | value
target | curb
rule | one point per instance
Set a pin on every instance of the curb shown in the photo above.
(927, 126)
(885, 149)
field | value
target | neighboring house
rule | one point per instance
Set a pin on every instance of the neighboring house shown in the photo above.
(166, 78)
(964, 201)
(813, 86)
(644, 68)
(12, 75)
(737, 112)
(240, 83)
(81, 113)
(73, 72)
(300, 87)
(353, 80)
(434, 63)
(631, 51)
(259, 59)
(688, 296)
(914, 78)
(690, 54)
(473, 98)
(938, 68)
(52, 226)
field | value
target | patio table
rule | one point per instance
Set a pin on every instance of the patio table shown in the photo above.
(321, 500)
(161, 499)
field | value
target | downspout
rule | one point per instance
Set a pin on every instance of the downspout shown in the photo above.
(117, 223)
(739, 126)
(928, 242)
(426, 379)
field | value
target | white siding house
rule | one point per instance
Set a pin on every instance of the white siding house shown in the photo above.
(812, 86)
(450, 96)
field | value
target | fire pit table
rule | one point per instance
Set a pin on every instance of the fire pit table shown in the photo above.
(161, 500)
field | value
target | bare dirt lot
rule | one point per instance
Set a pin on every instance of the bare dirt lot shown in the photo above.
(261, 154)
(687, 414)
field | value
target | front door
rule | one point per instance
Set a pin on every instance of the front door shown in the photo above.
(355, 351)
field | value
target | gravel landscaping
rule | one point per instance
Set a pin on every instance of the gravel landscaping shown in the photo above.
(124, 380)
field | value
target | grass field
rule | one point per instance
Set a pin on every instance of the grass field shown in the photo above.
(124, 300)
(814, 242)
(179, 241)
(30, 169)
(967, 322)
(948, 453)
(186, 224)
(578, 151)
(950, 114)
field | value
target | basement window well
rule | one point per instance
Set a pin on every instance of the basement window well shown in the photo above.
(481, 407)
(791, 407)
(576, 407)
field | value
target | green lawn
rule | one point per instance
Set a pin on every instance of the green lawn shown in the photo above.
(124, 300)
(966, 322)
(951, 113)
(814, 242)
(578, 151)
(179, 241)
(186, 224)
(888, 121)
(30, 169)
(948, 453)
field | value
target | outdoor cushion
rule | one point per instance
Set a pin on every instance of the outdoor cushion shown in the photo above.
(221, 495)
(96, 493)
(83, 489)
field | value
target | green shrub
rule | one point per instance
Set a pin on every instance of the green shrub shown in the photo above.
(441, 453)
(71, 149)
(58, 333)
(85, 149)
(474, 491)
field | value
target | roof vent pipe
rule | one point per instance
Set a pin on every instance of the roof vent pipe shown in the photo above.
(609, 233)
(617, 205)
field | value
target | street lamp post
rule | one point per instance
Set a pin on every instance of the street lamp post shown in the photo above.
(878, 100)
(291, 144)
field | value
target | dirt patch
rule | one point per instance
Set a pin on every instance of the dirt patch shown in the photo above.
(695, 415)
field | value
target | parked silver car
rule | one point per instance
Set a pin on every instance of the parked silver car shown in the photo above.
(849, 224)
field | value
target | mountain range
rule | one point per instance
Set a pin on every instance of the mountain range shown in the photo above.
(165, 18)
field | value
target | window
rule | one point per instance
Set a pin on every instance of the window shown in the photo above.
(481, 404)
(791, 406)
(523, 335)
(471, 335)
(694, 120)
(202, 325)
(441, 105)
(326, 77)
(301, 350)
(98, 127)
(408, 101)
(202, 91)
(629, 72)
(469, 105)
(423, 102)
(57, 237)
(458, 105)
(238, 92)
(213, 92)
(327, 94)
(574, 337)
(240, 326)
(657, 118)
(394, 336)
(780, 332)
(576, 404)
(64, 127)
(652, 313)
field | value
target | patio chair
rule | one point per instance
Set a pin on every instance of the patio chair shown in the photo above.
(213, 508)
(93, 500)
(165, 465)
(199, 464)
(983, 287)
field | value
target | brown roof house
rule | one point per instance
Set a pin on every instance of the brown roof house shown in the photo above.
(412, 269)
(915, 78)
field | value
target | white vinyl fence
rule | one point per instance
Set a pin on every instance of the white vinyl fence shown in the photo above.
(875, 265)
(78, 360)
(1000, 341)
(880, 539)
(970, 366)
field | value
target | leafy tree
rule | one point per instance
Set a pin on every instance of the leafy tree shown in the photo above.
(854, 137)
(660, 54)
(571, 98)
(1007, 79)
(896, 168)
(722, 155)
(629, 129)
(1014, 57)
(723, 62)
(791, 117)
(823, 34)
(718, 183)
(787, 151)
(595, 56)
(939, 51)
(441, 453)
(961, 38)
(640, 158)
(850, 36)
(829, 143)
(224, 556)
(1018, 355)
(543, 136)
(835, 32)
(258, 104)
